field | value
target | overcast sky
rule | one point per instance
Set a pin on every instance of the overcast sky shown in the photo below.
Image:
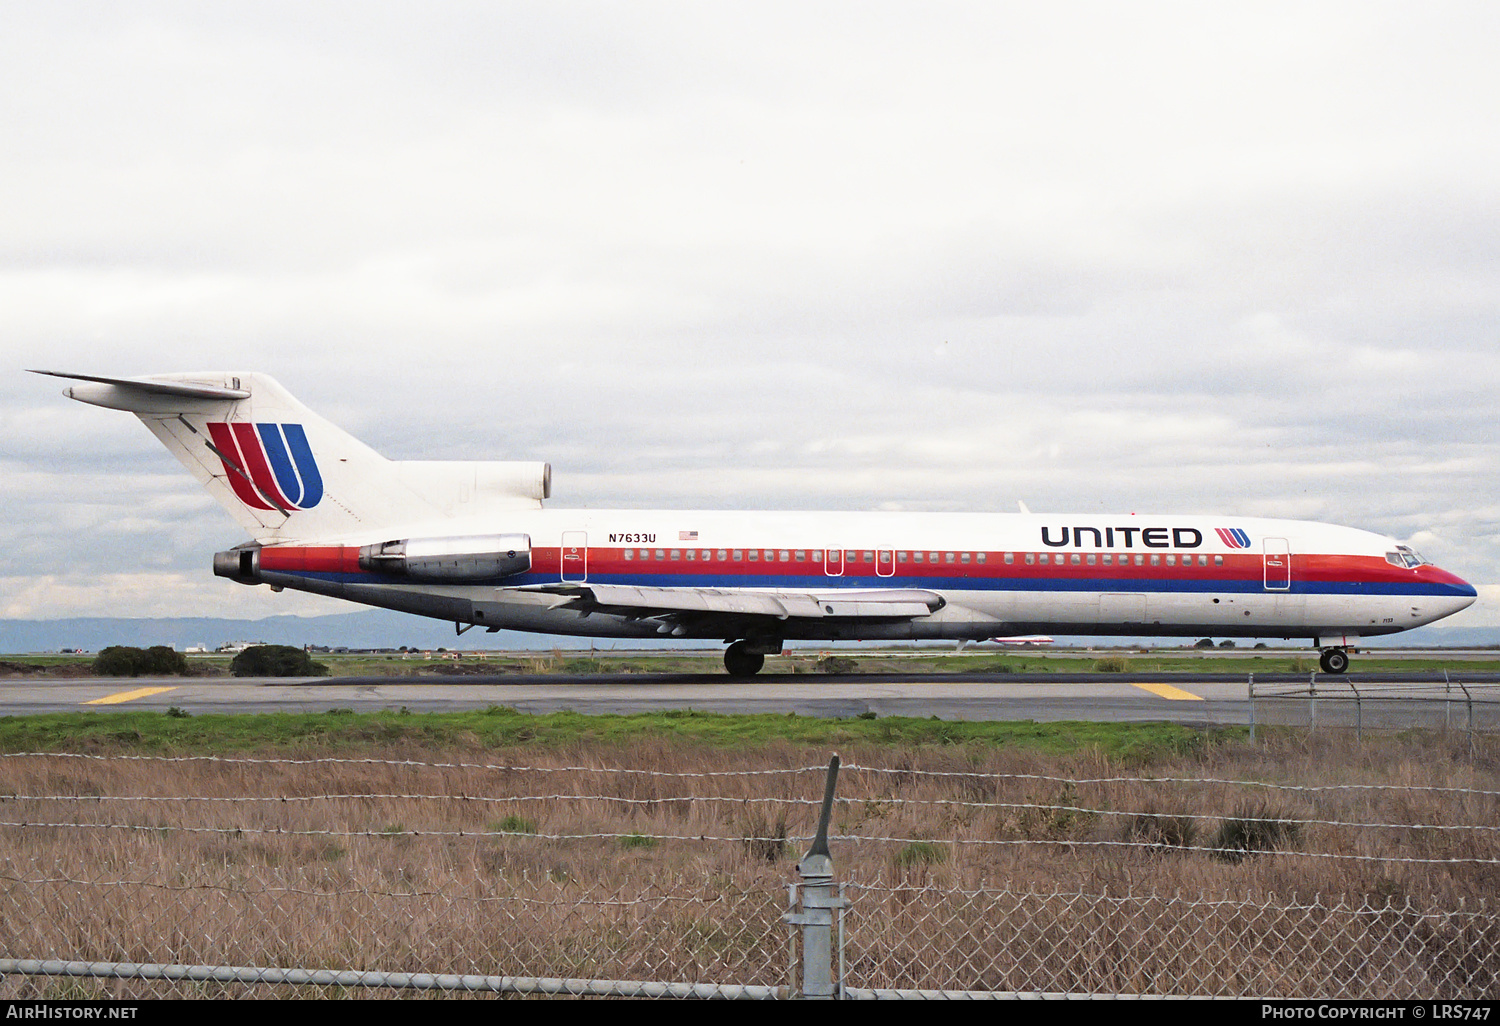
(1231, 259)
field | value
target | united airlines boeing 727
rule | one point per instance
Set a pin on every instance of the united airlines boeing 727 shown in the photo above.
(470, 542)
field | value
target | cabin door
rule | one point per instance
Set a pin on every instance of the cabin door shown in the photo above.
(575, 556)
(1278, 564)
(833, 562)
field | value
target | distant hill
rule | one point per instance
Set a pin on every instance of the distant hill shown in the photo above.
(379, 628)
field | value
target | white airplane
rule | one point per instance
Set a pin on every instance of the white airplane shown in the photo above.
(1025, 640)
(469, 542)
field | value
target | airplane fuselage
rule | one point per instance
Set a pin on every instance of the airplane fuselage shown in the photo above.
(994, 574)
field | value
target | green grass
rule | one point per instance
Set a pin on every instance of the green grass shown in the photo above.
(499, 728)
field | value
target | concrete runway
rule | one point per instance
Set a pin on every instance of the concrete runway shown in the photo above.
(1196, 699)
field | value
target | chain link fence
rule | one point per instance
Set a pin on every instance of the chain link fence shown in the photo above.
(143, 878)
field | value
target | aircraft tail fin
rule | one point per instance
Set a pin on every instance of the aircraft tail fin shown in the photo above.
(286, 474)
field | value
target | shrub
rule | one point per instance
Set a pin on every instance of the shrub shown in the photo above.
(1162, 832)
(836, 664)
(920, 853)
(127, 661)
(765, 841)
(276, 661)
(1255, 829)
(1112, 664)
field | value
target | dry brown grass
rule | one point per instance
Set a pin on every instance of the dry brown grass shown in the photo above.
(678, 887)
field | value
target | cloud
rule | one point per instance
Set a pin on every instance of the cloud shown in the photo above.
(1094, 257)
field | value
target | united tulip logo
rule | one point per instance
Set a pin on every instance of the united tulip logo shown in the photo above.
(270, 466)
(1234, 537)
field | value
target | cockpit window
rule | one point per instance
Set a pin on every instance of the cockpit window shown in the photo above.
(1404, 556)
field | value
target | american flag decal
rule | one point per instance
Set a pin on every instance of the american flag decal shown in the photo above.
(687, 535)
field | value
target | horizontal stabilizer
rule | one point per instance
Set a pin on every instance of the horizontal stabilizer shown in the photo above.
(146, 386)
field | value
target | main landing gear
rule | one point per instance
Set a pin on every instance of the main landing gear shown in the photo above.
(1333, 660)
(741, 660)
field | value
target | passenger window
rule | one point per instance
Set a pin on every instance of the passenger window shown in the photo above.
(1030, 558)
(885, 558)
(676, 553)
(692, 554)
(916, 557)
(948, 558)
(901, 557)
(1172, 560)
(1155, 559)
(1109, 559)
(1218, 561)
(802, 555)
(964, 558)
(661, 553)
(1140, 559)
(739, 555)
(869, 557)
(1091, 559)
(1202, 560)
(1010, 557)
(755, 555)
(1076, 559)
(630, 553)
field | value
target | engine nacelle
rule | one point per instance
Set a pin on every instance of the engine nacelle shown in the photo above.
(471, 558)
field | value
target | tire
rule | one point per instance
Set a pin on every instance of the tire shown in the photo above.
(741, 662)
(1334, 660)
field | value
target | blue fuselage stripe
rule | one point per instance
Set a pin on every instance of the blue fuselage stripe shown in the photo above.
(821, 582)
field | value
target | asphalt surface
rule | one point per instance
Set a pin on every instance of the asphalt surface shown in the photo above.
(1196, 699)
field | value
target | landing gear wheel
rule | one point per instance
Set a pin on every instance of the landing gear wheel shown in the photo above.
(1334, 660)
(741, 662)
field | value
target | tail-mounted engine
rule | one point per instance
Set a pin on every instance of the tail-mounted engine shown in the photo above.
(471, 558)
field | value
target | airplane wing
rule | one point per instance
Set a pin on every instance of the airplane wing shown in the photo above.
(733, 605)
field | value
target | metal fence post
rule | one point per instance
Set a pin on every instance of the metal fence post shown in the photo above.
(819, 898)
(1252, 708)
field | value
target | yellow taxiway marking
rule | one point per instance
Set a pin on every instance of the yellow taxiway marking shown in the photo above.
(128, 696)
(1168, 691)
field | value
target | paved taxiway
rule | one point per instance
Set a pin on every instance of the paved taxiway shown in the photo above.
(1182, 698)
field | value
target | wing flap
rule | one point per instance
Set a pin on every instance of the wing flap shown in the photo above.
(903, 604)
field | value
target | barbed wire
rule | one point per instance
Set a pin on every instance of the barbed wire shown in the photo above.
(1155, 814)
(412, 763)
(641, 836)
(847, 768)
(487, 799)
(1053, 779)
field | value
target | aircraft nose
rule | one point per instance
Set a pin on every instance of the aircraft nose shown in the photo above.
(1457, 594)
